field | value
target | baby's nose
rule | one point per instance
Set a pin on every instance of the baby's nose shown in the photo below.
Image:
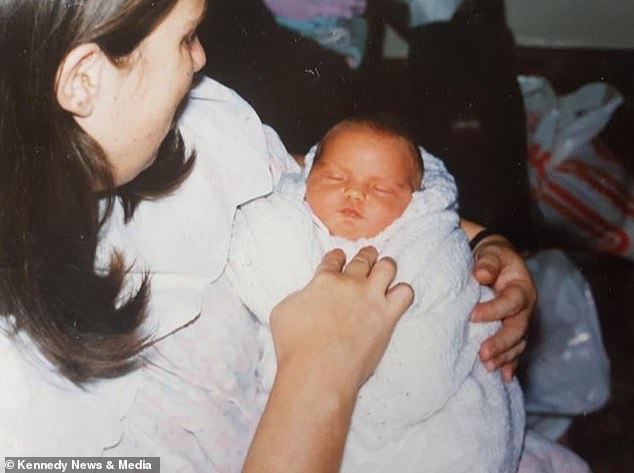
(355, 192)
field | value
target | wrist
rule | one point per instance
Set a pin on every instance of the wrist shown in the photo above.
(486, 237)
(334, 386)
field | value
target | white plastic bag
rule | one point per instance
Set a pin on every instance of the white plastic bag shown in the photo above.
(566, 371)
(542, 455)
(580, 188)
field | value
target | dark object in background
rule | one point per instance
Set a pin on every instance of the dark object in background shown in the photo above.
(466, 107)
(295, 85)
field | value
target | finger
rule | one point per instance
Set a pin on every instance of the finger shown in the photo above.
(362, 262)
(508, 370)
(511, 301)
(504, 346)
(399, 298)
(508, 358)
(382, 274)
(512, 332)
(332, 262)
(486, 271)
(511, 355)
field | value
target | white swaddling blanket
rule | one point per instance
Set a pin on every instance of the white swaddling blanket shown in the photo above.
(430, 406)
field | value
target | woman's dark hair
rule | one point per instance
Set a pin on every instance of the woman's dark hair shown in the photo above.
(49, 170)
(384, 123)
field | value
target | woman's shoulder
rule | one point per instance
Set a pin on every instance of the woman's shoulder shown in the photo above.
(232, 167)
(206, 88)
(214, 110)
(211, 104)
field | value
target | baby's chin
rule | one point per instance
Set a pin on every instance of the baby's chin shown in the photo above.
(352, 232)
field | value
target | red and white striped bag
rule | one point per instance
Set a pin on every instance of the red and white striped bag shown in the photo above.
(579, 186)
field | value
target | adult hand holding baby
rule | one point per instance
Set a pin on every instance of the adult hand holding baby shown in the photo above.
(348, 329)
(499, 266)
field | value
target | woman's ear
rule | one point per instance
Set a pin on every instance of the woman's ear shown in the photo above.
(78, 78)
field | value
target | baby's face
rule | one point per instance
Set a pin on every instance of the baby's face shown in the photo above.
(362, 182)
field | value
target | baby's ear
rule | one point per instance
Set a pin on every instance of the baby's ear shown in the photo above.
(78, 78)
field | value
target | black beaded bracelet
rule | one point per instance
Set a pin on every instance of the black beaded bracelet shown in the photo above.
(481, 235)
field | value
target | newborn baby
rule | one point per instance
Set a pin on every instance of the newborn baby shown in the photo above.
(430, 406)
(362, 179)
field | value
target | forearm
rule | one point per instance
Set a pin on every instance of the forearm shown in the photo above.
(470, 228)
(304, 425)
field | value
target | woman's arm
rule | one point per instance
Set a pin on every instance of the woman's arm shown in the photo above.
(329, 338)
(499, 266)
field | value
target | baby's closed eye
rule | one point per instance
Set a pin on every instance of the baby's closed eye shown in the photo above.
(334, 177)
(383, 189)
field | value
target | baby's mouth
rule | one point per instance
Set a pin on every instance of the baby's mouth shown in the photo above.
(350, 212)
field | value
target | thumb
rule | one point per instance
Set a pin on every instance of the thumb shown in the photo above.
(486, 269)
